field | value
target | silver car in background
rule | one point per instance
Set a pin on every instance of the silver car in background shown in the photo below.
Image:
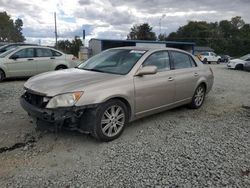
(24, 61)
(115, 87)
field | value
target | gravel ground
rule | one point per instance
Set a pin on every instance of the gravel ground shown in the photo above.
(208, 147)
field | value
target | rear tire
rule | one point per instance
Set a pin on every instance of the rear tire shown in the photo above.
(2, 75)
(111, 119)
(60, 67)
(204, 61)
(198, 98)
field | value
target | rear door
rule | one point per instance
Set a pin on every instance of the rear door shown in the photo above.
(22, 63)
(186, 74)
(44, 60)
(157, 90)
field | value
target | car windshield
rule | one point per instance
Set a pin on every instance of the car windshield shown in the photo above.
(115, 61)
(245, 57)
(7, 52)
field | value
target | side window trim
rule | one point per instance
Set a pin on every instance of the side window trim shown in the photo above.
(192, 61)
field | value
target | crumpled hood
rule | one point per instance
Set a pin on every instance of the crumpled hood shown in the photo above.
(63, 81)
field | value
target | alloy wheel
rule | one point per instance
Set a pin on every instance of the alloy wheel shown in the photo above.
(112, 121)
(199, 96)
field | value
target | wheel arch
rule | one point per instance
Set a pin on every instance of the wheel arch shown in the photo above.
(125, 101)
(239, 66)
(61, 65)
(202, 82)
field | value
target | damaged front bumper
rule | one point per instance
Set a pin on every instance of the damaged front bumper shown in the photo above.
(66, 117)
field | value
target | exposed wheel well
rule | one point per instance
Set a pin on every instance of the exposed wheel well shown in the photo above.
(126, 103)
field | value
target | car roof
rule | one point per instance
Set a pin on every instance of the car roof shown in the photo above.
(150, 48)
(35, 46)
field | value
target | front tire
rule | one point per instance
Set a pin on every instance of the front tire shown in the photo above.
(198, 98)
(112, 117)
(2, 75)
(239, 67)
(204, 61)
(61, 67)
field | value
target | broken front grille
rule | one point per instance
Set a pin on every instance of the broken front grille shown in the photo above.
(36, 100)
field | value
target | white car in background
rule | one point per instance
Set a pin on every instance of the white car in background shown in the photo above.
(208, 57)
(240, 63)
(24, 61)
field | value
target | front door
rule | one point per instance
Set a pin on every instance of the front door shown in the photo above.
(157, 90)
(22, 63)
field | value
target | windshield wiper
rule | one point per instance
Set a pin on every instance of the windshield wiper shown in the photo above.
(96, 70)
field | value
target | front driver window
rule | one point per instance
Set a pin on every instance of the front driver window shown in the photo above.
(25, 53)
(158, 59)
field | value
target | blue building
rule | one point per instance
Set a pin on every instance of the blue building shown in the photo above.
(98, 45)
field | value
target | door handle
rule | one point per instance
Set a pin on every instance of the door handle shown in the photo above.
(30, 59)
(196, 74)
(52, 58)
(170, 79)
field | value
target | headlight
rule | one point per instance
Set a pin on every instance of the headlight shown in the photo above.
(64, 100)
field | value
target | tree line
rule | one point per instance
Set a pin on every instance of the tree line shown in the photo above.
(225, 37)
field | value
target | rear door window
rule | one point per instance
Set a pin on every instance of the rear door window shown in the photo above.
(42, 52)
(55, 53)
(182, 60)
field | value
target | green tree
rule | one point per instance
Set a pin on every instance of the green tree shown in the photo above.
(227, 37)
(161, 37)
(141, 32)
(70, 47)
(10, 31)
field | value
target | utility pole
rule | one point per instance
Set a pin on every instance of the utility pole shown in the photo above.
(163, 16)
(55, 29)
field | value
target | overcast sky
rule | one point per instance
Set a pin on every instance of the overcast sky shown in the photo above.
(114, 18)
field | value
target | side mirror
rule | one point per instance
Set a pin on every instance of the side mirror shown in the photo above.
(14, 57)
(151, 69)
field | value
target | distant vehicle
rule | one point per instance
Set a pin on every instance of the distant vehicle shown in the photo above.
(224, 58)
(24, 61)
(115, 87)
(7, 47)
(239, 64)
(208, 57)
